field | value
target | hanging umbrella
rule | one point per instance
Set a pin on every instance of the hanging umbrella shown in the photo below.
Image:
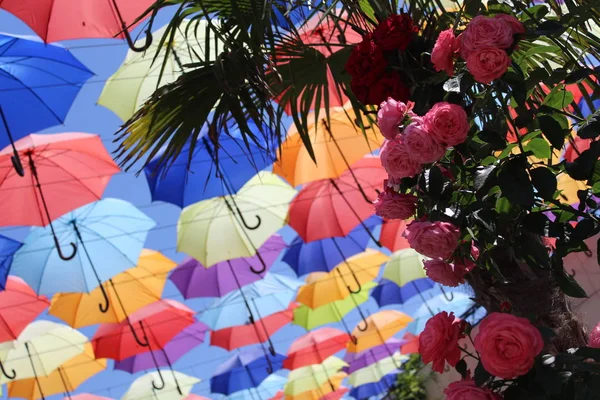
(8, 248)
(323, 255)
(65, 378)
(195, 280)
(111, 233)
(19, 306)
(177, 387)
(412, 344)
(203, 225)
(311, 377)
(327, 390)
(392, 235)
(374, 356)
(404, 267)
(134, 288)
(45, 78)
(267, 389)
(245, 370)
(380, 327)
(459, 304)
(86, 396)
(334, 207)
(368, 390)
(377, 370)
(193, 396)
(383, 350)
(388, 292)
(314, 347)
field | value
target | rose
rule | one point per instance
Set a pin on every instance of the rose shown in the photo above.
(366, 62)
(516, 25)
(466, 263)
(393, 205)
(595, 337)
(487, 65)
(395, 32)
(442, 55)
(421, 146)
(484, 33)
(390, 116)
(508, 345)
(445, 273)
(396, 161)
(388, 85)
(433, 239)
(468, 390)
(438, 342)
(447, 123)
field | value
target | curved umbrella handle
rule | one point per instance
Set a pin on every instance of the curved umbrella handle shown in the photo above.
(106, 305)
(137, 339)
(264, 265)
(13, 374)
(59, 250)
(364, 320)
(17, 165)
(258, 220)
(448, 298)
(162, 381)
(131, 43)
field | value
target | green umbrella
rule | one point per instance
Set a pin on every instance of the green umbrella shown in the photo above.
(377, 371)
(404, 267)
(312, 377)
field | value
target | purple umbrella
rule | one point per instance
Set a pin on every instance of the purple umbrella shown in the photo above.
(195, 280)
(370, 356)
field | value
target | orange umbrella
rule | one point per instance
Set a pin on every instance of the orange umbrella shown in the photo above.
(380, 327)
(329, 390)
(86, 396)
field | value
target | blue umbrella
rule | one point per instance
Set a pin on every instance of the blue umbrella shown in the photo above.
(39, 84)
(266, 390)
(323, 255)
(111, 233)
(373, 389)
(8, 247)
(245, 370)
(388, 292)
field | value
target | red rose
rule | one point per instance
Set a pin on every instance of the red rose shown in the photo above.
(445, 273)
(487, 65)
(438, 342)
(366, 62)
(432, 239)
(468, 390)
(395, 32)
(393, 205)
(388, 85)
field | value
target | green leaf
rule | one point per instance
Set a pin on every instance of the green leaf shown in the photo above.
(482, 175)
(537, 223)
(461, 368)
(433, 182)
(494, 139)
(544, 181)
(589, 130)
(539, 147)
(552, 130)
(550, 28)
(481, 376)
(503, 206)
(515, 183)
(583, 167)
(558, 98)
(569, 285)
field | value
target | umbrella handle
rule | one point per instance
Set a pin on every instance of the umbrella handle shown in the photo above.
(364, 320)
(131, 43)
(162, 381)
(137, 339)
(13, 374)
(258, 220)
(59, 250)
(355, 280)
(354, 339)
(264, 265)
(15, 159)
(106, 304)
(448, 298)
(269, 366)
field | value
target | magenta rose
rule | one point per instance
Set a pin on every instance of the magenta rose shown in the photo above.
(516, 25)
(421, 145)
(366, 62)
(447, 123)
(485, 33)
(395, 32)
(393, 205)
(487, 65)
(468, 390)
(508, 345)
(442, 56)
(445, 273)
(595, 337)
(390, 116)
(438, 343)
(396, 161)
(433, 239)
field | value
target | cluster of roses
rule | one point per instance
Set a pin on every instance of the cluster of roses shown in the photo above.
(372, 79)
(506, 346)
(485, 45)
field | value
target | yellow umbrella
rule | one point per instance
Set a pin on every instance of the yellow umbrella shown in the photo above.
(243, 221)
(65, 378)
(312, 377)
(323, 390)
(336, 146)
(177, 387)
(569, 187)
(133, 289)
(380, 327)
(378, 370)
(404, 267)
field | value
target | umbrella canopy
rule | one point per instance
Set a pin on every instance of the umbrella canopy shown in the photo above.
(334, 207)
(392, 235)
(155, 324)
(111, 233)
(412, 344)
(19, 307)
(262, 202)
(86, 396)
(314, 347)
(377, 370)
(190, 337)
(177, 386)
(8, 248)
(373, 389)
(380, 327)
(267, 389)
(329, 390)
(335, 145)
(45, 78)
(42, 347)
(313, 376)
(388, 292)
(404, 267)
(72, 168)
(133, 289)
(459, 303)
(268, 296)
(195, 280)
(388, 348)
(65, 378)
(244, 370)
(323, 255)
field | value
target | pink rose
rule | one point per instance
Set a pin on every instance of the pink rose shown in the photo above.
(444, 50)
(465, 262)
(468, 390)
(390, 116)
(595, 337)
(516, 25)
(445, 273)
(487, 65)
(484, 33)
(438, 342)
(393, 205)
(421, 146)
(508, 345)
(447, 123)
(396, 161)
(433, 239)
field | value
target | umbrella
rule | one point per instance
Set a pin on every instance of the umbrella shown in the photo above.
(314, 347)
(267, 389)
(404, 267)
(329, 390)
(110, 231)
(383, 350)
(391, 236)
(380, 327)
(412, 344)
(459, 304)
(45, 78)
(193, 396)
(42, 347)
(65, 378)
(334, 207)
(8, 247)
(54, 21)
(245, 370)
(203, 225)
(195, 280)
(133, 289)
(388, 292)
(177, 386)
(375, 388)
(323, 255)
(377, 371)
(311, 377)
(86, 396)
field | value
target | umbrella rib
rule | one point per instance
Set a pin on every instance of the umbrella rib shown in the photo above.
(69, 174)
(81, 68)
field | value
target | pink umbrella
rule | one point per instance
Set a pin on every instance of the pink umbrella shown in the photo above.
(392, 235)
(193, 396)
(86, 396)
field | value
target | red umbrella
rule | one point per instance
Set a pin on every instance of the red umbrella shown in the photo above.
(278, 396)
(580, 144)
(392, 235)
(149, 328)
(338, 394)
(252, 333)
(412, 344)
(333, 207)
(315, 347)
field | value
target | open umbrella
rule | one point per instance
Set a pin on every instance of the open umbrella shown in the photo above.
(247, 220)
(383, 350)
(368, 390)
(312, 377)
(177, 386)
(315, 347)
(86, 396)
(404, 267)
(392, 235)
(388, 292)
(329, 390)
(8, 248)
(459, 304)
(412, 344)
(380, 327)
(377, 370)
(267, 389)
